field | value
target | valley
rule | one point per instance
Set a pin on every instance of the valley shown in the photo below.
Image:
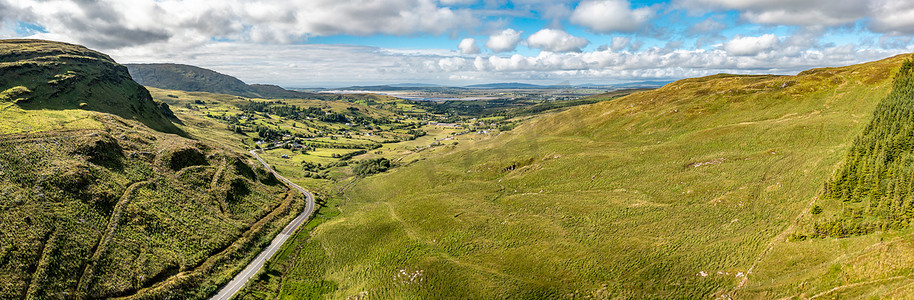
(723, 186)
(573, 204)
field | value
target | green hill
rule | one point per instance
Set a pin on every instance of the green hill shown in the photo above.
(120, 211)
(687, 191)
(196, 79)
(44, 75)
(94, 203)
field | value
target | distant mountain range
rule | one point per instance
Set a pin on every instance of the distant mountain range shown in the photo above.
(196, 79)
(509, 86)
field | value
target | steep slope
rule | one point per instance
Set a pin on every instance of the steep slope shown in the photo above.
(46, 75)
(93, 205)
(111, 212)
(196, 79)
(876, 179)
(671, 193)
(856, 240)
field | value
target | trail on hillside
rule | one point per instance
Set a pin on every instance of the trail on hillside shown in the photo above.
(87, 279)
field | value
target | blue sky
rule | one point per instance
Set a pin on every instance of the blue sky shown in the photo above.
(333, 43)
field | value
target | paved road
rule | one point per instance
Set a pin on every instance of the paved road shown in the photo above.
(242, 278)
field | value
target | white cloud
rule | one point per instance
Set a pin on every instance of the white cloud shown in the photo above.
(885, 16)
(320, 65)
(459, 2)
(708, 25)
(111, 24)
(787, 12)
(555, 40)
(504, 41)
(749, 46)
(606, 16)
(619, 43)
(259, 41)
(893, 16)
(468, 46)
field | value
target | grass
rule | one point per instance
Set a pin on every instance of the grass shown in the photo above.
(100, 206)
(14, 120)
(59, 76)
(669, 193)
(872, 262)
(96, 205)
(688, 191)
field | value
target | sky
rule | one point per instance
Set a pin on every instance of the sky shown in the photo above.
(337, 43)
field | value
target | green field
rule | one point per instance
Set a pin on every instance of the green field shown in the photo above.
(672, 193)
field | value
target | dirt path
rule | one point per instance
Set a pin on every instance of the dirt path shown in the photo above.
(87, 279)
(223, 206)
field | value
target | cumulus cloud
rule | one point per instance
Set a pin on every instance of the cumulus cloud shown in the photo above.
(619, 43)
(708, 25)
(458, 2)
(259, 41)
(309, 65)
(751, 45)
(606, 16)
(110, 24)
(787, 12)
(892, 16)
(555, 40)
(504, 41)
(661, 63)
(468, 46)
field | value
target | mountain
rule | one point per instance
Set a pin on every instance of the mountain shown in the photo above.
(724, 186)
(511, 85)
(196, 79)
(627, 85)
(415, 85)
(637, 84)
(648, 83)
(95, 203)
(37, 74)
(188, 78)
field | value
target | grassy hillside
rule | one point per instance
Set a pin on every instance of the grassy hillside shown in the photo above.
(44, 75)
(122, 210)
(856, 240)
(93, 205)
(678, 192)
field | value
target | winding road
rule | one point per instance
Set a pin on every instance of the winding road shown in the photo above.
(242, 278)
